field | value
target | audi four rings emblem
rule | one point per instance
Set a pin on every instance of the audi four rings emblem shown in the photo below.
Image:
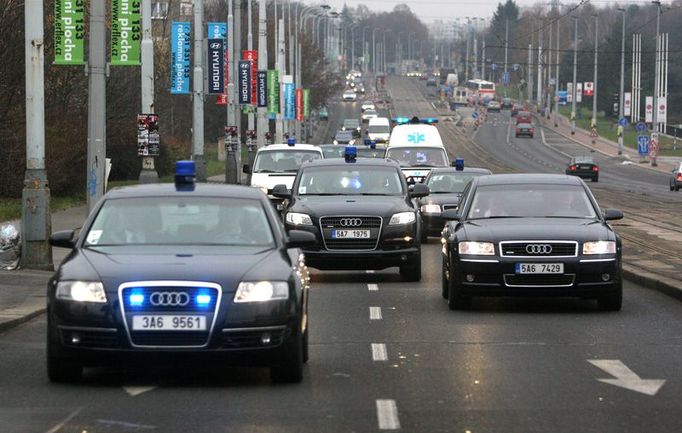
(351, 222)
(539, 249)
(169, 299)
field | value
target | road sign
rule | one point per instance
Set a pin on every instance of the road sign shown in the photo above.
(640, 127)
(474, 114)
(654, 141)
(643, 144)
(493, 66)
(505, 78)
(623, 122)
(516, 66)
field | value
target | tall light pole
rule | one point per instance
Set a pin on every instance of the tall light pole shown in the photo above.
(506, 49)
(198, 93)
(556, 82)
(621, 99)
(596, 55)
(574, 90)
(232, 160)
(36, 225)
(97, 100)
(148, 173)
(374, 50)
(262, 66)
(657, 81)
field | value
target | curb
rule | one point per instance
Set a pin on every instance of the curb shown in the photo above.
(649, 280)
(23, 314)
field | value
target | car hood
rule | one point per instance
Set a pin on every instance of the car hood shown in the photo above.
(505, 229)
(319, 206)
(269, 180)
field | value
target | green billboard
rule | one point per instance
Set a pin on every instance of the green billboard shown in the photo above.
(126, 32)
(69, 32)
(273, 91)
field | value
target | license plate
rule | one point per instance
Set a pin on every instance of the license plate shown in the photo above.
(169, 322)
(350, 234)
(584, 167)
(539, 268)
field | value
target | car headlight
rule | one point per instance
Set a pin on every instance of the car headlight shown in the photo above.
(351, 142)
(81, 291)
(599, 247)
(402, 218)
(358, 128)
(430, 208)
(261, 291)
(336, 142)
(476, 248)
(299, 219)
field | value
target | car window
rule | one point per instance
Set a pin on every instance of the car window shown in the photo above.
(180, 221)
(344, 135)
(449, 182)
(333, 151)
(527, 200)
(415, 156)
(277, 161)
(350, 181)
(379, 129)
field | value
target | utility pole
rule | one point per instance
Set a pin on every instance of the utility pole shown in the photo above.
(621, 99)
(251, 121)
(263, 125)
(657, 81)
(237, 38)
(36, 224)
(148, 173)
(539, 83)
(198, 92)
(556, 83)
(97, 99)
(596, 53)
(548, 91)
(574, 90)
(530, 73)
(281, 66)
(483, 59)
(231, 165)
(466, 60)
(506, 56)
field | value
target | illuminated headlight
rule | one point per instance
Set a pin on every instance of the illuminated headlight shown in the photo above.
(430, 208)
(336, 142)
(351, 142)
(358, 128)
(261, 291)
(299, 219)
(599, 247)
(402, 218)
(476, 248)
(81, 291)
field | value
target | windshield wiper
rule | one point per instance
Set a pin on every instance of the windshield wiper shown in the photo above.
(373, 193)
(445, 192)
(422, 165)
(325, 193)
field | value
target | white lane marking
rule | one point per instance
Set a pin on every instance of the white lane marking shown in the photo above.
(374, 313)
(63, 422)
(387, 414)
(379, 352)
(626, 378)
(134, 391)
(372, 287)
(126, 425)
(370, 271)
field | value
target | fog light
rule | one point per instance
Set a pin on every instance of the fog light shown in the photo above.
(605, 277)
(470, 278)
(266, 338)
(75, 339)
(403, 258)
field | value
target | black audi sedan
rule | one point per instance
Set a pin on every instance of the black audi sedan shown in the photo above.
(531, 235)
(361, 213)
(445, 189)
(163, 273)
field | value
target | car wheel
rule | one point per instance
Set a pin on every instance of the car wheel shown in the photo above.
(290, 369)
(61, 370)
(457, 300)
(412, 270)
(677, 187)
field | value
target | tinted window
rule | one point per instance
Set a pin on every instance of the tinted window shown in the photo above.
(344, 135)
(416, 156)
(272, 161)
(333, 151)
(350, 181)
(379, 129)
(449, 182)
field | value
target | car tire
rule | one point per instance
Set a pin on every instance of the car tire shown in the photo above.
(677, 187)
(457, 300)
(444, 281)
(290, 369)
(412, 270)
(61, 370)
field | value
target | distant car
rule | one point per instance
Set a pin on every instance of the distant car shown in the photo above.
(507, 103)
(494, 106)
(349, 95)
(323, 114)
(431, 82)
(583, 167)
(369, 114)
(332, 150)
(515, 108)
(676, 178)
(367, 105)
(339, 151)
(423, 77)
(352, 125)
(524, 117)
(344, 137)
(524, 129)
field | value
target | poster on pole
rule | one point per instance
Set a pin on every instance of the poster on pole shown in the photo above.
(306, 103)
(69, 32)
(126, 32)
(627, 104)
(273, 91)
(579, 92)
(262, 88)
(569, 90)
(289, 101)
(219, 31)
(148, 135)
(244, 82)
(252, 55)
(180, 57)
(588, 88)
(216, 66)
(649, 109)
(299, 105)
(662, 116)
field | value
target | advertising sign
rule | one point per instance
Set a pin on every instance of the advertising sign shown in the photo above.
(299, 105)
(262, 88)
(273, 91)
(589, 88)
(180, 52)
(578, 92)
(216, 66)
(126, 32)
(649, 109)
(662, 109)
(216, 31)
(69, 32)
(306, 103)
(148, 135)
(244, 82)
(252, 55)
(289, 101)
(569, 92)
(627, 103)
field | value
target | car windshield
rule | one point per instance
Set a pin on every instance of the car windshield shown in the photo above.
(333, 151)
(347, 180)
(418, 156)
(378, 129)
(180, 221)
(279, 161)
(368, 152)
(351, 123)
(371, 112)
(531, 200)
(449, 182)
(344, 135)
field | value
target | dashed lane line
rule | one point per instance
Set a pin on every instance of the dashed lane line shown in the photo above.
(379, 352)
(387, 414)
(373, 287)
(375, 313)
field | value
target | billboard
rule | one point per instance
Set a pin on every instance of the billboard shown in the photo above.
(252, 55)
(299, 105)
(69, 32)
(262, 88)
(244, 82)
(289, 99)
(273, 91)
(126, 32)
(180, 57)
(216, 66)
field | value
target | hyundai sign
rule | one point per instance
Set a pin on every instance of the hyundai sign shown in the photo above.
(216, 66)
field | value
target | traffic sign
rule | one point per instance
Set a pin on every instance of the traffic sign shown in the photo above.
(505, 78)
(516, 66)
(493, 66)
(623, 122)
(654, 141)
(643, 144)
(640, 127)
(474, 114)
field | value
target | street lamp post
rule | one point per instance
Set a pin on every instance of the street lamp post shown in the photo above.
(657, 80)
(148, 173)
(596, 54)
(198, 93)
(574, 90)
(621, 99)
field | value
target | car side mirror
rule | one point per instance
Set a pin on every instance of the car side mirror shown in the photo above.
(63, 239)
(301, 239)
(419, 190)
(281, 191)
(246, 169)
(613, 214)
(451, 215)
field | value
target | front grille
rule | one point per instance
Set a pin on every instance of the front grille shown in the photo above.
(252, 338)
(169, 338)
(147, 305)
(521, 248)
(371, 223)
(104, 338)
(539, 280)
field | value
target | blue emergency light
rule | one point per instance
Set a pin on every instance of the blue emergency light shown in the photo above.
(459, 164)
(185, 175)
(350, 153)
(136, 299)
(291, 141)
(415, 120)
(372, 144)
(401, 120)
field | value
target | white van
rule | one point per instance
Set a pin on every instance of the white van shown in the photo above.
(451, 80)
(417, 148)
(379, 129)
